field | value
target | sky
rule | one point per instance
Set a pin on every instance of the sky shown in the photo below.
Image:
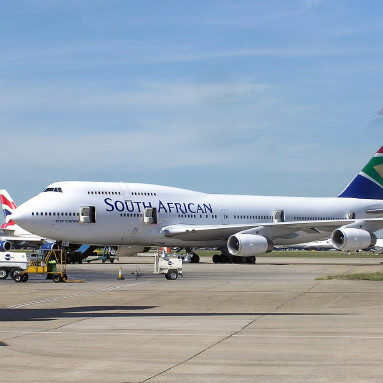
(240, 97)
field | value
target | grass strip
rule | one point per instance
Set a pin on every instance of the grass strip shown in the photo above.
(377, 276)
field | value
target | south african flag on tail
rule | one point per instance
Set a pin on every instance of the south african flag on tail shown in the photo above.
(368, 184)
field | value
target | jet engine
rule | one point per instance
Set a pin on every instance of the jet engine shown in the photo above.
(352, 239)
(248, 245)
(49, 246)
(5, 246)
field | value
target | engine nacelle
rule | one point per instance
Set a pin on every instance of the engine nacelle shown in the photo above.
(49, 246)
(352, 239)
(5, 246)
(248, 245)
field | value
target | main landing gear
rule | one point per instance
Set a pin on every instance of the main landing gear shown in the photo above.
(226, 257)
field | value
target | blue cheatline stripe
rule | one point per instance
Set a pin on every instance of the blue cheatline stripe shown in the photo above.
(361, 187)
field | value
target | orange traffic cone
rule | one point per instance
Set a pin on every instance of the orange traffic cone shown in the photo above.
(120, 274)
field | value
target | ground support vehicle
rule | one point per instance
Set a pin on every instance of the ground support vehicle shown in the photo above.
(170, 266)
(12, 262)
(108, 254)
(78, 255)
(52, 263)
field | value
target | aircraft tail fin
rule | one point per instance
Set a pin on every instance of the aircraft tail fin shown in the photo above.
(8, 207)
(368, 184)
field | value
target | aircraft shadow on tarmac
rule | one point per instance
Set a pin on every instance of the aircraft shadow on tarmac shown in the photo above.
(32, 314)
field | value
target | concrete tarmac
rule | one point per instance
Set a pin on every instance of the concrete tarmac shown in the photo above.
(269, 322)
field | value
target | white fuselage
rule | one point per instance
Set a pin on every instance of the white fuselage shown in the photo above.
(120, 207)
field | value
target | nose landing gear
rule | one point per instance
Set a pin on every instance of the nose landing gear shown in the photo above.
(194, 258)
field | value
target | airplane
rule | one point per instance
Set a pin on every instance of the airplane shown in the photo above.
(136, 214)
(13, 235)
(324, 244)
(379, 244)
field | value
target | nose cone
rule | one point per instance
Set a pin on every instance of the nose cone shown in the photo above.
(20, 215)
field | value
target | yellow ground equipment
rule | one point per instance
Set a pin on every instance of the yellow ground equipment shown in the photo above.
(51, 263)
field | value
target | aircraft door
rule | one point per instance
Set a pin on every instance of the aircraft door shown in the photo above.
(225, 216)
(150, 215)
(127, 194)
(88, 214)
(279, 216)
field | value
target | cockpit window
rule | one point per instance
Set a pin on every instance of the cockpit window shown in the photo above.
(58, 190)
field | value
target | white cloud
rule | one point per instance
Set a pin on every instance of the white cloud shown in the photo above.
(165, 125)
(144, 95)
(122, 53)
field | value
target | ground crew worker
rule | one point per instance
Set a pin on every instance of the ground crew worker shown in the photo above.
(51, 268)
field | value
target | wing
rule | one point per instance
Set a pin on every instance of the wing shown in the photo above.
(273, 230)
(27, 239)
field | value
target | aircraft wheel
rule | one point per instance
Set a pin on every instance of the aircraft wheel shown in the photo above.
(24, 277)
(229, 259)
(222, 258)
(4, 274)
(171, 275)
(194, 258)
(56, 278)
(112, 260)
(251, 260)
(216, 258)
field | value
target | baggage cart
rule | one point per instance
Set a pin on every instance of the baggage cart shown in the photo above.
(52, 263)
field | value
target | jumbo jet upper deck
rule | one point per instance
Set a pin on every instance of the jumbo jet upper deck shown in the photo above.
(109, 213)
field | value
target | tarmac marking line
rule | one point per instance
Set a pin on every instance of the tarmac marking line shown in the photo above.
(188, 334)
(110, 288)
(220, 340)
(312, 336)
